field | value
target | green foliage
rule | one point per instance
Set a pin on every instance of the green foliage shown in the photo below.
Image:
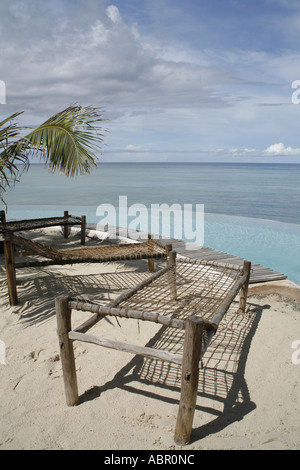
(68, 142)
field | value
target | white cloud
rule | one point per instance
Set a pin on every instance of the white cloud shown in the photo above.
(113, 14)
(132, 147)
(280, 149)
(157, 90)
(96, 59)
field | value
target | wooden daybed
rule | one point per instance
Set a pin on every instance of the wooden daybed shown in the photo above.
(16, 245)
(189, 296)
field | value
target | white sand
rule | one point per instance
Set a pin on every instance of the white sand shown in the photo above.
(249, 391)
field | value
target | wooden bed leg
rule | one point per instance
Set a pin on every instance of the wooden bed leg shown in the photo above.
(189, 381)
(2, 220)
(83, 229)
(63, 317)
(172, 275)
(151, 265)
(10, 269)
(2, 217)
(168, 250)
(244, 288)
(66, 226)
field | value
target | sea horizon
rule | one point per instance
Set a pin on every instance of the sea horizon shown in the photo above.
(181, 163)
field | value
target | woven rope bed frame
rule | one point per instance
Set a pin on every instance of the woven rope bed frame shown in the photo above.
(65, 221)
(151, 249)
(31, 224)
(187, 295)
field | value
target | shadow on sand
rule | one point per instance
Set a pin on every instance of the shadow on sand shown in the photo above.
(222, 394)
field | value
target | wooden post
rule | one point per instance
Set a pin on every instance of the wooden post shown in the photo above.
(3, 220)
(151, 266)
(63, 317)
(168, 250)
(3, 217)
(189, 382)
(10, 268)
(83, 229)
(172, 274)
(244, 288)
(66, 226)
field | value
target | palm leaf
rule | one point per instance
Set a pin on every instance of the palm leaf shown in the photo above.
(69, 141)
(12, 156)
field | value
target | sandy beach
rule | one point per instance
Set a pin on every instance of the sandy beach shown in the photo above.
(249, 391)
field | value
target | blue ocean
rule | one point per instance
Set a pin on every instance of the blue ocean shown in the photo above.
(250, 210)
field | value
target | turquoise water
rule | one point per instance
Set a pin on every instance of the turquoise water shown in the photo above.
(250, 210)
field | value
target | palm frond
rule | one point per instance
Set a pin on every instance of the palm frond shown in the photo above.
(69, 141)
(13, 159)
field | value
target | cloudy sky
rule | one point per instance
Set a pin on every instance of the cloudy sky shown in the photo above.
(193, 80)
